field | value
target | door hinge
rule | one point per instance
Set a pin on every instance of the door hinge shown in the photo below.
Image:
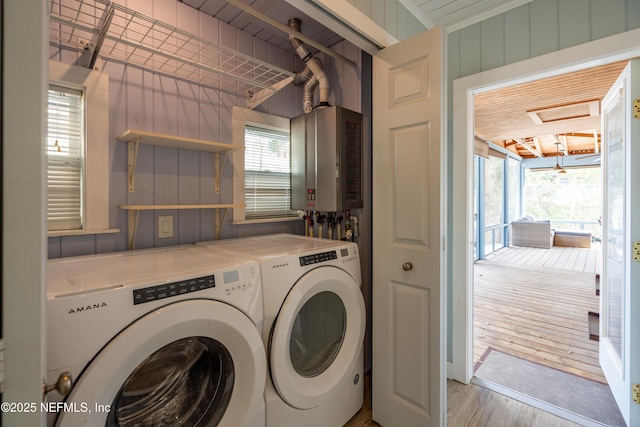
(636, 251)
(636, 108)
(635, 393)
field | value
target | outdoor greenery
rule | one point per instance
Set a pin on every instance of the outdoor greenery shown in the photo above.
(578, 199)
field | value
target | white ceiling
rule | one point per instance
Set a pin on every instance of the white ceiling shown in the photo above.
(456, 14)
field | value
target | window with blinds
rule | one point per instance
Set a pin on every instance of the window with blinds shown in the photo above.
(64, 148)
(267, 174)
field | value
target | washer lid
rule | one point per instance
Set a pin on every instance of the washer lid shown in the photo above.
(317, 337)
(183, 341)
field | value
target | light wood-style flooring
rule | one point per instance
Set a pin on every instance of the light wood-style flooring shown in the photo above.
(558, 257)
(473, 405)
(533, 303)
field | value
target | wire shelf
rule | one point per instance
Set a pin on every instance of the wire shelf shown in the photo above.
(119, 33)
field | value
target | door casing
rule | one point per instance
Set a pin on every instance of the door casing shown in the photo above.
(603, 51)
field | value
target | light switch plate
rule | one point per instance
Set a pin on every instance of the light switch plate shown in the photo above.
(165, 226)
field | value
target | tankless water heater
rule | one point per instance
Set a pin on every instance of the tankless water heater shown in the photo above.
(326, 160)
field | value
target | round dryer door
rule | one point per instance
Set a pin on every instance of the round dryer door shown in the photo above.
(195, 363)
(317, 338)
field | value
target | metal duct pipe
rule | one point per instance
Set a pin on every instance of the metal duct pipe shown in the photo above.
(313, 75)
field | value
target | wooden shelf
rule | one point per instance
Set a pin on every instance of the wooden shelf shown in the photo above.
(166, 207)
(152, 138)
(136, 137)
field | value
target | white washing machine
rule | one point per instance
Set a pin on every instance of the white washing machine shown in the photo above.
(157, 337)
(314, 325)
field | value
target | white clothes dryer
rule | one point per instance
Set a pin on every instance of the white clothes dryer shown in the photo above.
(157, 337)
(314, 327)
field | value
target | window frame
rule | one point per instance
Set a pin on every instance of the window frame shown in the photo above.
(95, 190)
(65, 165)
(241, 117)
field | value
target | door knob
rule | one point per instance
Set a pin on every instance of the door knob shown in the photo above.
(407, 266)
(63, 385)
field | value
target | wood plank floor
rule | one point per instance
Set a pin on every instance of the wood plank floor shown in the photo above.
(533, 303)
(473, 405)
(558, 257)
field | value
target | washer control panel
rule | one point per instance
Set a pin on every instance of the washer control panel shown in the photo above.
(240, 280)
(168, 290)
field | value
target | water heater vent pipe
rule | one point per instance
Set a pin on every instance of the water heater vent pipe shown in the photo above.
(312, 76)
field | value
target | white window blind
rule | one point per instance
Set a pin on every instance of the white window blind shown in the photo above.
(267, 174)
(64, 148)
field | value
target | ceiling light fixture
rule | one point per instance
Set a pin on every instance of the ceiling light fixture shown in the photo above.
(562, 177)
(557, 167)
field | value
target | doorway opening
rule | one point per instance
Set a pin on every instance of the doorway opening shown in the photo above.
(519, 180)
(581, 58)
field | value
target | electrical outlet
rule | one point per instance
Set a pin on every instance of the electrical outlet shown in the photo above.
(165, 226)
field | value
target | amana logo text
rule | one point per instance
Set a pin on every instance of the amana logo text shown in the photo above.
(87, 308)
(284, 264)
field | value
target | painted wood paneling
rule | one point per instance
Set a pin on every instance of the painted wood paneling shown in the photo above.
(470, 50)
(391, 15)
(632, 14)
(544, 26)
(575, 22)
(493, 42)
(390, 23)
(517, 34)
(141, 99)
(606, 16)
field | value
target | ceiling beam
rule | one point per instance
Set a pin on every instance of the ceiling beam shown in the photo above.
(351, 30)
(528, 147)
(536, 143)
(565, 147)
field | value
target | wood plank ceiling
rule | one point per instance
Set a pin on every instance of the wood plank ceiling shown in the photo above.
(548, 116)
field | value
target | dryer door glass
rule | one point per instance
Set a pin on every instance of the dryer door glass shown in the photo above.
(188, 383)
(317, 334)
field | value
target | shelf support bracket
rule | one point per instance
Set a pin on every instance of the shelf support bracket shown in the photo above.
(91, 49)
(103, 32)
(132, 155)
(219, 160)
(219, 218)
(133, 216)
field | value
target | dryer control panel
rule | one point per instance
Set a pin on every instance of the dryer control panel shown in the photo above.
(167, 290)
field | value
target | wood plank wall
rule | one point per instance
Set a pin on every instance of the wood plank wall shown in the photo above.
(144, 100)
(390, 15)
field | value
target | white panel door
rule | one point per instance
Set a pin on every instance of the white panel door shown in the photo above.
(620, 296)
(408, 364)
